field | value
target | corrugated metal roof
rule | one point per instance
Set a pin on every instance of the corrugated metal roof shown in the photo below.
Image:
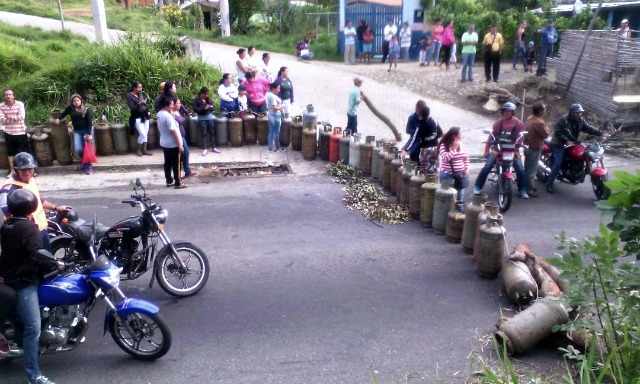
(391, 3)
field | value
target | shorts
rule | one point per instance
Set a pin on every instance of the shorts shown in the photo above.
(16, 144)
(367, 48)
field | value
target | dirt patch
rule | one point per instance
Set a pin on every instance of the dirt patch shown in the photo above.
(81, 12)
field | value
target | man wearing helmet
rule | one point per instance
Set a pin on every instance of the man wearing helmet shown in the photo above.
(505, 130)
(567, 132)
(21, 265)
(25, 166)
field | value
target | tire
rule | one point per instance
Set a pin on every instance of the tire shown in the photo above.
(601, 191)
(60, 250)
(546, 160)
(505, 193)
(179, 283)
(150, 331)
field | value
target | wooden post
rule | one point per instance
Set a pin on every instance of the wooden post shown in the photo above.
(61, 14)
(584, 45)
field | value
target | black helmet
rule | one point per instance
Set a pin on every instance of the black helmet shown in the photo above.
(22, 202)
(67, 216)
(24, 160)
(576, 108)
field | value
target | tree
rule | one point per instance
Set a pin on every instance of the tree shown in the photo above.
(240, 11)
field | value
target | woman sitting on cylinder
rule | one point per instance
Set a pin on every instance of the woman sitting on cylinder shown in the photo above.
(228, 94)
(453, 158)
(81, 120)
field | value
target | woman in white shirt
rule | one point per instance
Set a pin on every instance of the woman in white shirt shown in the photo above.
(265, 69)
(228, 94)
(242, 65)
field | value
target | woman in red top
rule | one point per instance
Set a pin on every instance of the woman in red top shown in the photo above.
(453, 157)
(257, 88)
(436, 39)
(447, 42)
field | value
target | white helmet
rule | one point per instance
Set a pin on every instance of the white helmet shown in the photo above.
(508, 106)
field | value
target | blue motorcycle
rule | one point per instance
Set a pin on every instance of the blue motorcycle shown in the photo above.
(66, 299)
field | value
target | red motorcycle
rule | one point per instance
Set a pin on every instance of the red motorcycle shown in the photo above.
(579, 161)
(502, 175)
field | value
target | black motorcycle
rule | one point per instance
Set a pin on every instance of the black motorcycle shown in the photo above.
(181, 268)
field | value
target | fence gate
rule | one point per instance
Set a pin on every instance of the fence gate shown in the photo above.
(375, 15)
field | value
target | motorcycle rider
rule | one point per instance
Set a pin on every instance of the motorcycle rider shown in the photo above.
(25, 165)
(567, 132)
(21, 266)
(506, 130)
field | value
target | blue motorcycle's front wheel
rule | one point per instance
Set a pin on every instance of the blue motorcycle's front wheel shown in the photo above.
(142, 335)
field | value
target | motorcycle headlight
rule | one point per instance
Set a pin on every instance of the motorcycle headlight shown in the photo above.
(162, 216)
(112, 277)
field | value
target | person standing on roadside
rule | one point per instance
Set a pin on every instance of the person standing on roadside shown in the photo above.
(286, 89)
(257, 88)
(447, 43)
(171, 143)
(519, 44)
(493, 43)
(537, 132)
(265, 69)
(12, 116)
(242, 65)
(389, 31)
(355, 97)
(180, 119)
(82, 122)
(405, 42)
(274, 108)
(203, 106)
(624, 30)
(469, 41)
(367, 44)
(549, 36)
(139, 118)
(362, 26)
(436, 42)
(350, 43)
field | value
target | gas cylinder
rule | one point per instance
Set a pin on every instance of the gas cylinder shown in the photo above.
(520, 285)
(285, 132)
(262, 123)
(309, 143)
(471, 212)
(396, 163)
(491, 244)
(490, 209)
(354, 151)
(415, 191)
(386, 166)
(324, 143)
(236, 136)
(444, 202)
(366, 155)
(375, 160)
(152, 136)
(192, 130)
(334, 145)
(104, 140)
(249, 128)
(427, 198)
(61, 140)
(296, 133)
(120, 134)
(4, 157)
(403, 187)
(381, 156)
(222, 130)
(309, 117)
(455, 223)
(41, 148)
(345, 144)
(529, 327)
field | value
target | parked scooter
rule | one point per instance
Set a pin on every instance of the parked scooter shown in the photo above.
(181, 268)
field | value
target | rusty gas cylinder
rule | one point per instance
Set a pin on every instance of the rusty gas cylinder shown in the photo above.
(296, 133)
(324, 142)
(403, 185)
(427, 198)
(443, 203)
(366, 155)
(375, 160)
(249, 128)
(309, 142)
(471, 213)
(397, 165)
(415, 192)
(455, 223)
(490, 209)
(386, 175)
(491, 248)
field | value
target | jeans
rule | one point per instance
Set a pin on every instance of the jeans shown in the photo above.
(492, 59)
(531, 159)
(545, 51)
(558, 157)
(28, 309)
(172, 164)
(488, 166)
(207, 126)
(229, 105)
(258, 108)
(78, 141)
(449, 176)
(520, 50)
(352, 123)
(143, 130)
(46, 242)
(434, 52)
(185, 157)
(275, 120)
(468, 59)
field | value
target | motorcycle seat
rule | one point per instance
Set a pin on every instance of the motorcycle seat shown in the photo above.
(86, 229)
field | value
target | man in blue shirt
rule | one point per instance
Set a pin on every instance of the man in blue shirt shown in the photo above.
(549, 38)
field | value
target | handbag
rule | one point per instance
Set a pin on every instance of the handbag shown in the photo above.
(89, 153)
(460, 181)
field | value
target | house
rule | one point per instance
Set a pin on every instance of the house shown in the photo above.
(613, 12)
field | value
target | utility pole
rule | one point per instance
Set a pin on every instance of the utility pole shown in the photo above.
(61, 14)
(225, 27)
(99, 20)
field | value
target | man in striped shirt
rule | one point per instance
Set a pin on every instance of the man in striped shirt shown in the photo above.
(12, 116)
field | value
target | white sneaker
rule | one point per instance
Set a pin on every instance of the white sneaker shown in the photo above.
(204, 152)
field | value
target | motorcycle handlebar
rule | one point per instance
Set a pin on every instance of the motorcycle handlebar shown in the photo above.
(128, 202)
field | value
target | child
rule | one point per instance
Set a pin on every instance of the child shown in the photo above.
(531, 56)
(423, 50)
(394, 51)
(242, 100)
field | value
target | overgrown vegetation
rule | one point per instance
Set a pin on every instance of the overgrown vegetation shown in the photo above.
(45, 68)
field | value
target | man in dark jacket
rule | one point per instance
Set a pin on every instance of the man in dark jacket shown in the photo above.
(21, 266)
(567, 132)
(425, 136)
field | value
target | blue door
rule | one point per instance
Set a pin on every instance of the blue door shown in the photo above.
(375, 15)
